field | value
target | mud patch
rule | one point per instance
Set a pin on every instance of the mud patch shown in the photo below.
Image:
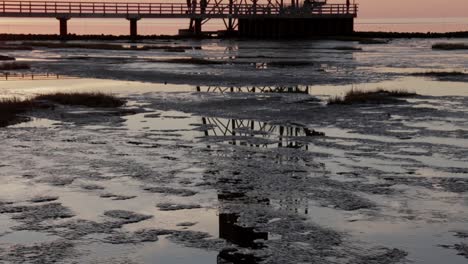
(389, 256)
(43, 199)
(127, 216)
(116, 197)
(140, 236)
(170, 191)
(52, 252)
(38, 213)
(175, 207)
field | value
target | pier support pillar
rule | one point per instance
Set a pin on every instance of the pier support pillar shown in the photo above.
(63, 26)
(133, 26)
(197, 29)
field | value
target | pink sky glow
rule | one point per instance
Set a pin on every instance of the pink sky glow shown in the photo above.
(411, 8)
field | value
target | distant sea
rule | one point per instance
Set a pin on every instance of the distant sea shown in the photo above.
(171, 26)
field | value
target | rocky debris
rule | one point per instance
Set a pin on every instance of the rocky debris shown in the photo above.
(234, 256)
(389, 256)
(43, 199)
(461, 234)
(126, 216)
(170, 191)
(196, 239)
(186, 238)
(462, 249)
(186, 224)
(92, 187)
(58, 180)
(117, 197)
(49, 252)
(34, 214)
(140, 236)
(457, 185)
(450, 184)
(344, 200)
(175, 207)
(79, 228)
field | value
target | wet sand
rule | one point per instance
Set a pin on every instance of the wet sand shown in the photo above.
(200, 171)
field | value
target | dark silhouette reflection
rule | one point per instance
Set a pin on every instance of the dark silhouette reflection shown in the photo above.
(233, 256)
(233, 189)
(296, 205)
(258, 134)
(297, 89)
(239, 235)
(245, 237)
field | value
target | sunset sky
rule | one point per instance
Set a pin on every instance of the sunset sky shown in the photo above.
(381, 8)
(411, 8)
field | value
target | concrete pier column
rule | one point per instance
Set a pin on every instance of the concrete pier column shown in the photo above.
(133, 26)
(63, 26)
(197, 30)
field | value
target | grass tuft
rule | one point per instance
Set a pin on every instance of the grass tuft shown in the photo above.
(379, 96)
(9, 66)
(347, 48)
(440, 74)
(6, 58)
(450, 46)
(11, 108)
(83, 99)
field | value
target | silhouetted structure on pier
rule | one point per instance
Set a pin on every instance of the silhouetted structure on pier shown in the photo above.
(245, 18)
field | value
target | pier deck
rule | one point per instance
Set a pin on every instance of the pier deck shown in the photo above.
(198, 13)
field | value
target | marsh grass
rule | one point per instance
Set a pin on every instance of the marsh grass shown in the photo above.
(379, 96)
(9, 66)
(440, 74)
(83, 99)
(347, 48)
(12, 108)
(450, 46)
(6, 58)
(15, 47)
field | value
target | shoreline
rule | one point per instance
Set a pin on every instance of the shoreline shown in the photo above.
(354, 37)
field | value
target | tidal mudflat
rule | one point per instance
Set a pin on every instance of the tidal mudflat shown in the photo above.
(229, 152)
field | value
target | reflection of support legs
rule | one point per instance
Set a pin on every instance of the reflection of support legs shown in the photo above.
(230, 22)
(63, 27)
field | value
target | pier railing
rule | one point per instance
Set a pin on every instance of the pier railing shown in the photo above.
(108, 9)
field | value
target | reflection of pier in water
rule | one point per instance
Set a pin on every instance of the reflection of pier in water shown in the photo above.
(237, 189)
(258, 134)
(254, 89)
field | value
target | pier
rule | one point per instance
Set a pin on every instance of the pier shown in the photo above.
(244, 18)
